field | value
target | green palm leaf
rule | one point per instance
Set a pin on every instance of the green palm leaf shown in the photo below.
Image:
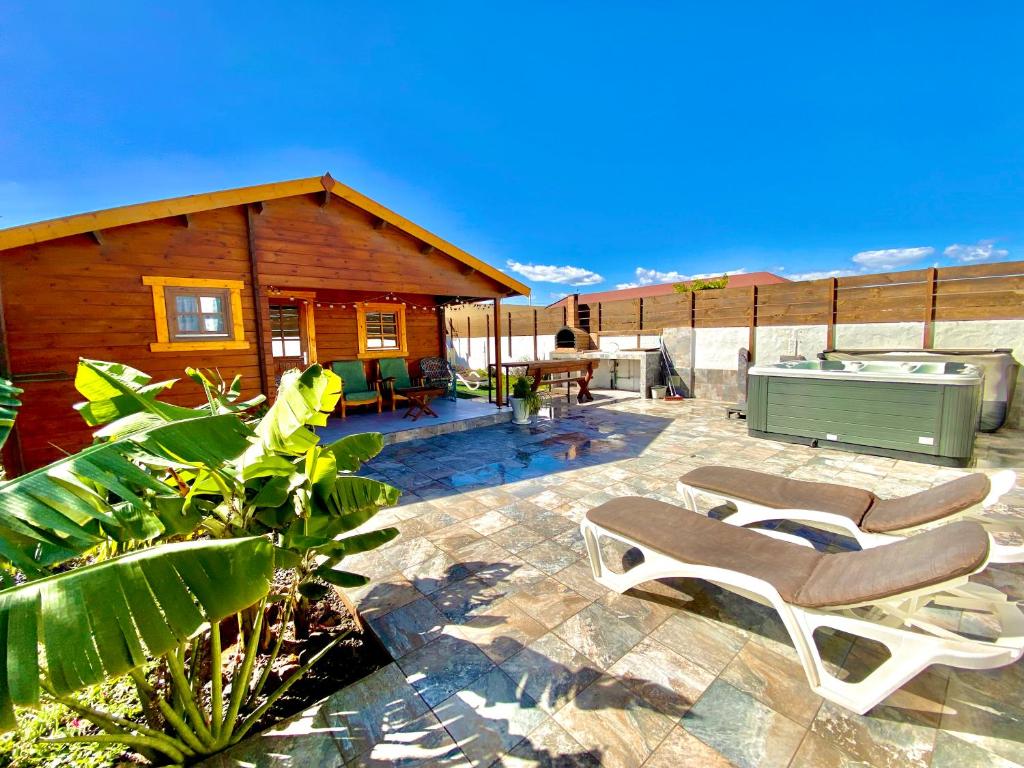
(353, 451)
(106, 619)
(304, 399)
(9, 404)
(70, 506)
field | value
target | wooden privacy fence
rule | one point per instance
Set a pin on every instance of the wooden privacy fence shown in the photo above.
(977, 292)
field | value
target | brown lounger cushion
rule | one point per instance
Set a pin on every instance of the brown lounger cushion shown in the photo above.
(801, 575)
(887, 515)
(782, 492)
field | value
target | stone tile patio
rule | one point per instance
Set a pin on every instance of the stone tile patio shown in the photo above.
(508, 653)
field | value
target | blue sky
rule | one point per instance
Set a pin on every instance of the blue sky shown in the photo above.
(580, 145)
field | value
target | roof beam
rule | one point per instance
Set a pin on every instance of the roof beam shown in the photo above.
(325, 198)
(426, 249)
(380, 224)
(97, 235)
(257, 207)
(186, 219)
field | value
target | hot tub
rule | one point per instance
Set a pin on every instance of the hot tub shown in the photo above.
(997, 365)
(927, 411)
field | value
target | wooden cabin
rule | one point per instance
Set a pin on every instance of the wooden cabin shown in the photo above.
(253, 280)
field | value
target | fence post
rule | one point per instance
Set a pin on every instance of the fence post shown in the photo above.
(830, 329)
(928, 335)
(639, 320)
(752, 328)
(535, 355)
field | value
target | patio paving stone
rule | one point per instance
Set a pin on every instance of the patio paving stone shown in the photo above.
(667, 681)
(442, 667)
(516, 538)
(633, 607)
(489, 522)
(489, 606)
(549, 746)
(436, 572)
(613, 722)
(551, 671)
(362, 714)
(708, 643)
(423, 743)
(549, 556)
(951, 752)
(775, 680)
(550, 601)
(680, 749)
(453, 537)
(408, 627)
(489, 717)
(502, 630)
(599, 635)
(747, 732)
(886, 739)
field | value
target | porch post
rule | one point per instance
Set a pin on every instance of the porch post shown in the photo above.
(499, 397)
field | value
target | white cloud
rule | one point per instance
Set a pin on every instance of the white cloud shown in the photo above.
(551, 274)
(983, 250)
(891, 258)
(821, 275)
(652, 276)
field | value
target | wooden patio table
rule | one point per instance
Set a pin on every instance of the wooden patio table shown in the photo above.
(573, 369)
(419, 400)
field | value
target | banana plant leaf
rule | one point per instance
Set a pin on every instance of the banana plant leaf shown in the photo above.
(304, 399)
(66, 508)
(351, 452)
(114, 390)
(103, 620)
(223, 397)
(9, 404)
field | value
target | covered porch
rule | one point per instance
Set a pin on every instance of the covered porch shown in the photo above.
(452, 416)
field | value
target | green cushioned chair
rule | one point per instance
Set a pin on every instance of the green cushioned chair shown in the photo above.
(394, 375)
(354, 388)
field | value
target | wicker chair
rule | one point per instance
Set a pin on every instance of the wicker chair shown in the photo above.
(437, 372)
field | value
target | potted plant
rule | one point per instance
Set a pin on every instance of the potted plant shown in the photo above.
(524, 400)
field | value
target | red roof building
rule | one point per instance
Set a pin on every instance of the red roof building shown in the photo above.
(745, 279)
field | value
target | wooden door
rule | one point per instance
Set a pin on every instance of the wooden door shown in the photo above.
(289, 339)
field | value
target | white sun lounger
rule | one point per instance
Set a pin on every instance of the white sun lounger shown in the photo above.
(880, 594)
(760, 497)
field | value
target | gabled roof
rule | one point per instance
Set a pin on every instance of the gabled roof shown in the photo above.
(42, 231)
(742, 280)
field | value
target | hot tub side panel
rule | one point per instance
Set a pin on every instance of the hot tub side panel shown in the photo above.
(931, 419)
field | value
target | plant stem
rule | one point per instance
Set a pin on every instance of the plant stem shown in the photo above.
(172, 717)
(240, 685)
(113, 723)
(265, 674)
(216, 681)
(138, 743)
(184, 691)
(254, 717)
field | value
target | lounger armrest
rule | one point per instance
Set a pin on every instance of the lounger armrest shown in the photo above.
(1000, 484)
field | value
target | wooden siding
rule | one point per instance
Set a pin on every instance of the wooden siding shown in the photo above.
(83, 296)
(75, 297)
(300, 243)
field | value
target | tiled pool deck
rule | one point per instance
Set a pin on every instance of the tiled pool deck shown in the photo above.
(508, 653)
